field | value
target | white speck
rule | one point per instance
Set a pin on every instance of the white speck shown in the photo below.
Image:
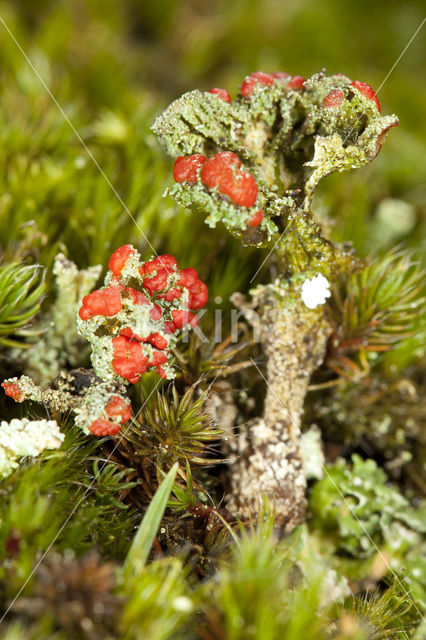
(315, 291)
(182, 603)
(80, 162)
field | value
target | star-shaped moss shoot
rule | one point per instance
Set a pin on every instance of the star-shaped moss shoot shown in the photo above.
(253, 163)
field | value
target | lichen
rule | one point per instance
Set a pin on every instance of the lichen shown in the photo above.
(133, 321)
(285, 134)
(264, 154)
(19, 438)
(59, 344)
(100, 408)
(356, 508)
(375, 504)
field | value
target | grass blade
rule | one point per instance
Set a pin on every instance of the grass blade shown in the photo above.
(142, 543)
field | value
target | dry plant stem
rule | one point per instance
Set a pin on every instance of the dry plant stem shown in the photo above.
(269, 459)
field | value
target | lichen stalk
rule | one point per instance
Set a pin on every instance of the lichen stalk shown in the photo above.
(268, 460)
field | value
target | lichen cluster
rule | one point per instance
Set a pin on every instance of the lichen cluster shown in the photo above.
(284, 135)
(352, 494)
(99, 408)
(131, 322)
(20, 438)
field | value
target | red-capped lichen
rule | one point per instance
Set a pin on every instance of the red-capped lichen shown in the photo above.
(132, 328)
(255, 78)
(102, 427)
(334, 99)
(268, 148)
(296, 82)
(273, 144)
(118, 407)
(366, 91)
(256, 218)
(260, 78)
(119, 259)
(221, 93)
(102, 302)
(185, 167)
(13, 390)
(103, 410)
(222, 171)
(118, 411)
(100, 408)
(128, 360)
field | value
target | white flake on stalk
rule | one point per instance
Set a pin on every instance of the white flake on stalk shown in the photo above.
(315, 291)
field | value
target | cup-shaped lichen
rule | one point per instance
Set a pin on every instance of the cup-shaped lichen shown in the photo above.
(254, 163)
